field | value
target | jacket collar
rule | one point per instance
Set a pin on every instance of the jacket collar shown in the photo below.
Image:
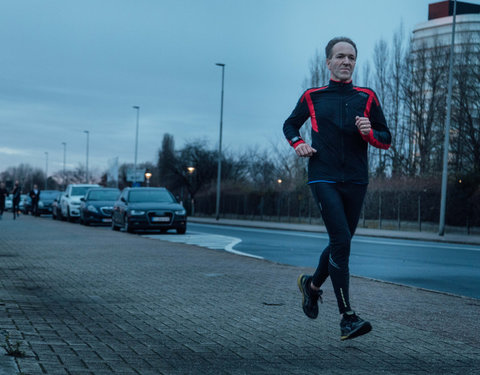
(339, 84)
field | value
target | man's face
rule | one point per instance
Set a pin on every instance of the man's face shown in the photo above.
(342, 62)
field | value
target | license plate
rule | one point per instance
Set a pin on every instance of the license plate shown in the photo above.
(106, 220)
(160, 219)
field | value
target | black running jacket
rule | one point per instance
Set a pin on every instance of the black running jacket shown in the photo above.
(341, 149)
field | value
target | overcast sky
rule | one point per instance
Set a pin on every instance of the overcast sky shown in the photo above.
(68, 66)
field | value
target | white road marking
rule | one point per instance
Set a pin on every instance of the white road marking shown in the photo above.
(210, 241)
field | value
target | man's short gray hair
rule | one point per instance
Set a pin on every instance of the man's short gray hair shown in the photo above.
(338, 39)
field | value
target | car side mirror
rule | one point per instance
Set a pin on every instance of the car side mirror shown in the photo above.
(123, 199)
(82, 199)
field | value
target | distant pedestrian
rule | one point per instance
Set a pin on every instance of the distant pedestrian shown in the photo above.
(35, 197)
(3, 196)
(344, 119)
(16, 193)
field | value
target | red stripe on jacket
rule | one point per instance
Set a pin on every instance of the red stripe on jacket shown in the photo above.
(311, 109)
(371, 98)
(370, 138)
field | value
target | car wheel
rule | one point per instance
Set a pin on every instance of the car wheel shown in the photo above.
(69, 218)
(86, 223)
(114, 227)
(126, 226)
(181, 230)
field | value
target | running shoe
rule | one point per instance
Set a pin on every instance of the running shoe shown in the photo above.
(353, 326)
(310, 297)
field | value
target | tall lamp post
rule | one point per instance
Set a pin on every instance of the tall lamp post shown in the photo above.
(64, 162)
(46, 170)
(136, 146)
(190, 172)
(86, 164)
(443, 199)
(219, 169)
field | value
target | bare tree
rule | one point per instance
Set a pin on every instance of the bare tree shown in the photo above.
(378, 158)
(395, 114)
(466, 109)
(424, 93)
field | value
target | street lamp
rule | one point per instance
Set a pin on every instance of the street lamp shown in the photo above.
(46, 170)
(190, 172)
(136, 146)
(86, 164)
(279, 181)
(148, 175)
(64, 162)
(443, 199)
(219, 169)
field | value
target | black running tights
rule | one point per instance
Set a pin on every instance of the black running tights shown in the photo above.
(340, 205)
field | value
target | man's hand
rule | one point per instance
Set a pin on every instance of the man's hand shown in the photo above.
(363, 124)
(304, 150)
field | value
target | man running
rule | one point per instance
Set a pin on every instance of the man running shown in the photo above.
(344, 119)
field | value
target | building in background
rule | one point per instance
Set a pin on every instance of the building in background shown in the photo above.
(439, 25)
(428, 69)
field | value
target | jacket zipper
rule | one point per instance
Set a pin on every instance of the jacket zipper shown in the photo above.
(343, 107)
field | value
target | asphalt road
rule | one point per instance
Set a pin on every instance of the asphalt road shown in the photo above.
(442, 267)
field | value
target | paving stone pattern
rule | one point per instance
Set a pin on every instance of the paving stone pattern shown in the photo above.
(86, 300)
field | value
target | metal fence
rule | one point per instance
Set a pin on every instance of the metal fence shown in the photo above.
(402, 210)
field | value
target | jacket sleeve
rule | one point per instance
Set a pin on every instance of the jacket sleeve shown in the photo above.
(291, 127)
(379, 136)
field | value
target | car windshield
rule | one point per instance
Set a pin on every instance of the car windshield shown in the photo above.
(139, 196)
(103, 195)
(80, 190)
(48, 194)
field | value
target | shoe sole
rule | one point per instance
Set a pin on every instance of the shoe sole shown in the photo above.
(362, 330)
(300, 286)
(302, 290)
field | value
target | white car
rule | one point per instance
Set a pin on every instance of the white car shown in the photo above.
(70, 201)
(8, 203)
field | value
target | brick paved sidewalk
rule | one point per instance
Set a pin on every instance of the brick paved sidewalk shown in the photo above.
(86, 300)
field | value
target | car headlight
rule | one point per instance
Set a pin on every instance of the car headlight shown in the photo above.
(137, 212)
(180, 212)
(40, 204)
(92, 208)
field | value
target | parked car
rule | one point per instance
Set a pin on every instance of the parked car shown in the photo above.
(8, 203)
(56, 209)
(21, 204)
(97, 206)
(44, 203)
(148, 209)
(70, 202)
